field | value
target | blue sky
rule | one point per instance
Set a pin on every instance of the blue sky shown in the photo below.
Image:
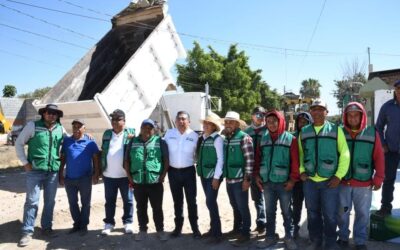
(274, 34)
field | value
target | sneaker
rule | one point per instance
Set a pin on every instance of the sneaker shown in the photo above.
(241, 241)
(361, 247)
(207, 234)
(162, 236)
(48, 232)
(73, 230)
(290, 244)
(196, 234)
(25, 239)
(141, 236)
(268, 242)
(384, 211)
(107, 229)
(128, 228)
(176, 233)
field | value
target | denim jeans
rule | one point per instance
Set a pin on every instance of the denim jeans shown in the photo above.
(258, 197)
(35, 180)
(297, 204)
(184, 180)
(240, 203)
(83, 186)
(211, 202)
(391, 163)
(321, 203)
(111, 187)
(274, 192)
(143, 194)
(361, 198)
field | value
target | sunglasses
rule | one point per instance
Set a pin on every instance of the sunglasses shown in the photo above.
(259, 115)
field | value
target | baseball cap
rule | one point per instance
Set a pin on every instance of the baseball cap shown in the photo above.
(258, 109)
(81, 121)
(319, 103)
(353, 107)
(148, 122)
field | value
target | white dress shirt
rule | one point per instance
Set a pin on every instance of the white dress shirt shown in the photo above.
(181, 147)
(115, 157)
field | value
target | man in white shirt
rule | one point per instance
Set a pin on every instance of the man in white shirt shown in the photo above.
(114, 175)
(182, 142)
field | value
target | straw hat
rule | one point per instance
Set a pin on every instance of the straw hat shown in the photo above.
(234, 116)
(214, 119)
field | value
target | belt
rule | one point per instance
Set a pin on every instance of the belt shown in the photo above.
(180, 169)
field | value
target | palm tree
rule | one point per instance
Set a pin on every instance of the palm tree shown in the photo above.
(310, 89)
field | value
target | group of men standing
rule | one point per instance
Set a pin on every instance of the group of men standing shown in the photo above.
(331, 167)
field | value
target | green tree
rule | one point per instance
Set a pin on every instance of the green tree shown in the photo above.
(310, 88)
(348, 88)
(229, 77)
(9, 91)
(36, 94)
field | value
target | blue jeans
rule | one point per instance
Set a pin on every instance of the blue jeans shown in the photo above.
(82, 186)
(240, 203)
(258, 197)
(274, 192)
(184, 180)
(35, 180)
(321, 203)
(361, 198)
(111, 186)
(391, 163)
(211, 202)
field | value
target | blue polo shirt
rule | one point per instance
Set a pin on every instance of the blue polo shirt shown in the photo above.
(78, 156)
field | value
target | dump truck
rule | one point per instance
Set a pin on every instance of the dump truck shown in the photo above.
(128, 69)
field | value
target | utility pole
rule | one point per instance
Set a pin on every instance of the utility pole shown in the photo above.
(370, 68)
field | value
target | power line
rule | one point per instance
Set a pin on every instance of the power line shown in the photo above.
(85, 8)
(59, 11)
(312, 37)
(48, 23)
(44, 36)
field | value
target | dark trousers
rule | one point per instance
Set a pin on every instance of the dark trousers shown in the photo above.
(391, 163)
(82, 186)
(212, 205)
(239, 200)
(153, 193)
(111, 187)
(184, 180)
(297, 203)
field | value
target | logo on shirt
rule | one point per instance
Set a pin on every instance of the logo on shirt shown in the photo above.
(189, 139)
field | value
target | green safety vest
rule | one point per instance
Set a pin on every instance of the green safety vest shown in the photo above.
(234, 161)
(146, 163)
(320, 150)
(207, 157)
(106, 144)
(361, 150)
(275, 159)
(44, 147)
(256, 137)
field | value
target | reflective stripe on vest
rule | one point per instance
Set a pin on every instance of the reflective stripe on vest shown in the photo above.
(233, 156)
(106, 144)
(44, 147)
(207, 158)
(320, 151)
(146, 163)
(275, 159)
(256, 137)
(361, 151)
